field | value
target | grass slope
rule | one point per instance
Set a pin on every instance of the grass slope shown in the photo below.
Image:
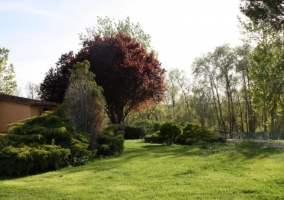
(151, 171)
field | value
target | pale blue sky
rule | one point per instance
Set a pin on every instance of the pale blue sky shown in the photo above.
(38, 32)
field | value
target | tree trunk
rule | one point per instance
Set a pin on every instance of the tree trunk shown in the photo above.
(93, 142)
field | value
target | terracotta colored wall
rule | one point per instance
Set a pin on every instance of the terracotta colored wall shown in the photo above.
(12, 112)
(35, 111)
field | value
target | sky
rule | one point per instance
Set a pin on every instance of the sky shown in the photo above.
(38, 32)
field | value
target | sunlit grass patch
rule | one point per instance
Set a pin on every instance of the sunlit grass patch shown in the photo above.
(152, 171)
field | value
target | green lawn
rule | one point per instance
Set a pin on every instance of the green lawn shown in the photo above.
(151, 171)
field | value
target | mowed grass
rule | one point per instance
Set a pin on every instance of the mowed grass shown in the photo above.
(150, 171)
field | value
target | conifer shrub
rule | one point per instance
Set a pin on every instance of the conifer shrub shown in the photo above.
(111, 141)
(49, 142)
(170, 130)
(192, 133)
(155, 138)
(40, 144)
(24, 159)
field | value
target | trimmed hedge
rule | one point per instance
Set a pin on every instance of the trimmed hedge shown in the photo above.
(148, 126)
(132, 133)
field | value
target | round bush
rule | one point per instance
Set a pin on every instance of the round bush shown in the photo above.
(170, 130)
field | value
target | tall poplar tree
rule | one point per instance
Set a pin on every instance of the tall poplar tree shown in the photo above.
(85, 102)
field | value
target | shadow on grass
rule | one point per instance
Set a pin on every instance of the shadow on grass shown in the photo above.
(243, 150)
(250, 150)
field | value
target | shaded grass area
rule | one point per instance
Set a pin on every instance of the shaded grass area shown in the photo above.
(150, 171)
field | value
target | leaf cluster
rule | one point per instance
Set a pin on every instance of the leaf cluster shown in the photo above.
(268, 11)
(8, 84)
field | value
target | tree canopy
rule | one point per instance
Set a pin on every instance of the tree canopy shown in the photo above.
(269, 11)
(107, 27)
(128, 74)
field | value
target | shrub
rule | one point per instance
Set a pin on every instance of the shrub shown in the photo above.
(41, 144)
(15, 161)
(49, 142)
(193, 133)
(148, 126)
(112, 129)
(155, 138)
(170, 130)
(111, 141)
(133, 132)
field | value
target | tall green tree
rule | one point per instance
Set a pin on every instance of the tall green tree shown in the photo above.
(8, 84)
(266, 72)
(85, 102)
(246, 112)
(267, 75)
(264, 11)
(224, 61)
(172, 95)
(201, 105)
(206, 74)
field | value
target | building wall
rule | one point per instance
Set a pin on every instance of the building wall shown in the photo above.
(12, 112)
(35, 111)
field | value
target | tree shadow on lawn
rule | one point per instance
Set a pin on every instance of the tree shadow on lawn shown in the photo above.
(245, 149)
(254, 149)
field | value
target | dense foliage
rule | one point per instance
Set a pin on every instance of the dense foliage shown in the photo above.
(268, 11)
(148, 126)
(111, 141)
(170, 131)
(84, 102)
(41, 144)
(129, 75)
(8, 84)
(155, 138)
(188, 134)
(49, 142)
(193, 133)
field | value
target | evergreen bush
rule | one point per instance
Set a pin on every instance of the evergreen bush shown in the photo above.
(111, 141)
(170, 130)
(155, 138)
(24, 160)
(41, 144)
(193, 133)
